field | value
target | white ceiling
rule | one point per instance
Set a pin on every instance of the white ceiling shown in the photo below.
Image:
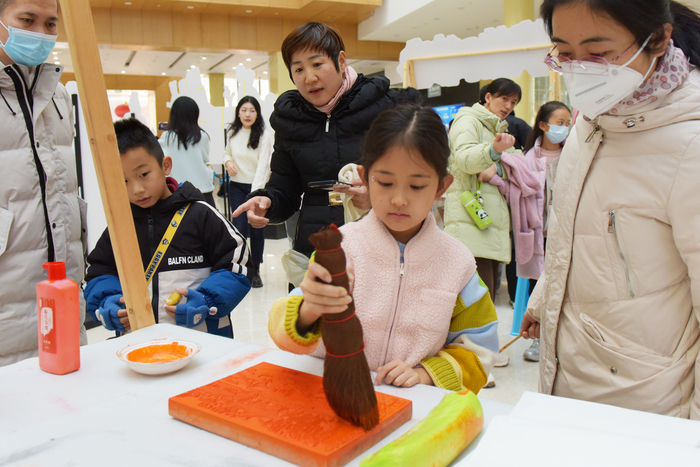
(176, 63)
(463, 18)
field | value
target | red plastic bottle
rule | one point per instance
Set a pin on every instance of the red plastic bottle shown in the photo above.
(58, 313)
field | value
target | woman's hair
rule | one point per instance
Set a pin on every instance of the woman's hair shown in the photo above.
(641, 18)
(258, 128)
(502, 87)
(313, 36)
(412, 127)
(183, 122)
(543, 115)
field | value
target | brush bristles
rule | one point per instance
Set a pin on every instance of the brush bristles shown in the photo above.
(349, 390)
(346, 379)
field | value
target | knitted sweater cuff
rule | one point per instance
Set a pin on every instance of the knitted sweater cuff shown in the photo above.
(282, 326)
(442, 373)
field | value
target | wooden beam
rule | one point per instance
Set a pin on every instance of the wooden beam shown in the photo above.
(82, 42)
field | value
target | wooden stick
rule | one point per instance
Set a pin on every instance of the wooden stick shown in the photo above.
(509, 343)
(82, 41)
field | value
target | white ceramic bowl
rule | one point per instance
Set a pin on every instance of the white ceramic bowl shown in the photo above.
(159, 368)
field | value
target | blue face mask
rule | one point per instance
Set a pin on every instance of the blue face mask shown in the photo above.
(557, 133)
(26, 47)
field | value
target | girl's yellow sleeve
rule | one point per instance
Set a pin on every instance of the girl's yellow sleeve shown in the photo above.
(282, 326)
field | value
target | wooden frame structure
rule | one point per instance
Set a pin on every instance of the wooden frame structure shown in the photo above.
(82, 41)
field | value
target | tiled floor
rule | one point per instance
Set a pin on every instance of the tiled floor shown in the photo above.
(250, 325)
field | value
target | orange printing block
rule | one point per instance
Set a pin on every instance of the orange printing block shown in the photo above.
(284, 413)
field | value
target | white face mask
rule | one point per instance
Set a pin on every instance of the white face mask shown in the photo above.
(594, 88)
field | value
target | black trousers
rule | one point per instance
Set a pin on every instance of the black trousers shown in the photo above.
(237, 193)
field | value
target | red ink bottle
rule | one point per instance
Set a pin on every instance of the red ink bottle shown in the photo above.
(58, 314)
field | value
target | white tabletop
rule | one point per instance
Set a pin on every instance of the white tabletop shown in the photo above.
(105, 414)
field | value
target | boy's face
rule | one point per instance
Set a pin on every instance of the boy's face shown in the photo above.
(32, 15)
(315, 76)
(145, 179)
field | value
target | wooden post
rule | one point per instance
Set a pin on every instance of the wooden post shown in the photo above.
(82, 41)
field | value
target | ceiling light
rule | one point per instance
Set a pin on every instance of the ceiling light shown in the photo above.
(264, 72)
(240, 64)
(127, 3)
(192, 66)
(233, 67)
(55, 53)
(248, 59)
(249, 11)
(190, 7)
(204, 58)
(123, 71)
(163, 73)
(56, 63)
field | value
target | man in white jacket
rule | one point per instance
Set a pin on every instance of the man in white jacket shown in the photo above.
(39, 207)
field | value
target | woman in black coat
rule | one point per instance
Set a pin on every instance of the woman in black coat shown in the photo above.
(318, 129)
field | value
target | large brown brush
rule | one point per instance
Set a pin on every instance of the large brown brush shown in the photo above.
(346, 379)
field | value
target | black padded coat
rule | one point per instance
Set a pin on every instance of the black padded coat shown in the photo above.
(311, 146)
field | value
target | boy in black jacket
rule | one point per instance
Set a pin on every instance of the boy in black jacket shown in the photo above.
(205, 258)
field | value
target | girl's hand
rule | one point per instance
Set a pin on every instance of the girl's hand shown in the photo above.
(503, 142)
(256, 208)
(487, 174)
(319, 297)
(360, 194)
(530, 328)
(398, 373)
(231, 169)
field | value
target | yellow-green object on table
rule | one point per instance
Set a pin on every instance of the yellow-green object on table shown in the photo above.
(437, 439)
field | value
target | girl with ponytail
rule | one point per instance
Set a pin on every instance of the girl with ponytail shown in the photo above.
(617, 306)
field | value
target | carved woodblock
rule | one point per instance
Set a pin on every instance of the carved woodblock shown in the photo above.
(284, 413)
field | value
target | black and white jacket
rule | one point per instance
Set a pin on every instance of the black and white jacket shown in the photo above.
(206, 254)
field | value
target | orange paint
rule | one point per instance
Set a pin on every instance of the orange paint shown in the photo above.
(159, 353)
(284, 413)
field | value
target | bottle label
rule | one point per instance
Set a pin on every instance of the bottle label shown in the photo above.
(48, 329)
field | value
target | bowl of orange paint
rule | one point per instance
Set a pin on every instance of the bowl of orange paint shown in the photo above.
(158, 356)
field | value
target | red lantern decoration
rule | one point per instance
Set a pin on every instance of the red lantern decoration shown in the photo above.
(121, 110)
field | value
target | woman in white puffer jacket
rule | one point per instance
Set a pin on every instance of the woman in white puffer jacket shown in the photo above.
(619, 303)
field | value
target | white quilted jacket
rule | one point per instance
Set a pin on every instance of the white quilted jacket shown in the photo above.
(29, 226)
(620, 303)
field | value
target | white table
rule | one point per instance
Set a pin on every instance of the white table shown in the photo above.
(105, 414)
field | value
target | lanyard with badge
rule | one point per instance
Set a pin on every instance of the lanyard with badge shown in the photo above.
(163, 247)
(165, 243)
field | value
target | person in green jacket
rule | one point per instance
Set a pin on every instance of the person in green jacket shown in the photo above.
(477, 139)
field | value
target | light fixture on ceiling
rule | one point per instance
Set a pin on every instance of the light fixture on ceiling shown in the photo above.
(204, 58)
(163, 73)
(248, 59)
(127, 3)
(233, 67)
(240, 64)
(56, 63)
(55, 53)
(123, 72)
(249, 11)
(264, 72)
(190, 7)
(192, 66)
